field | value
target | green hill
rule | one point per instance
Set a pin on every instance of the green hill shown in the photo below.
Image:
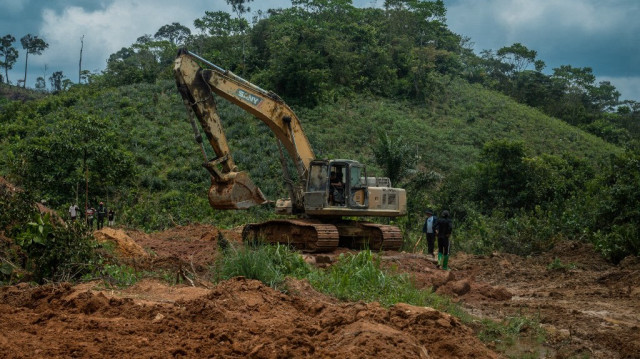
(458, 127)
(169, 186)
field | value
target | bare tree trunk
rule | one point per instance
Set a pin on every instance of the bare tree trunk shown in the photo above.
(26, 64)
(80, 63)
(6, 71)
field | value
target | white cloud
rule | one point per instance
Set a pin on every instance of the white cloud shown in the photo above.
(113, 27)
(109, 29)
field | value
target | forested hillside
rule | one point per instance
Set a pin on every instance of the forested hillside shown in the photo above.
(522, 159)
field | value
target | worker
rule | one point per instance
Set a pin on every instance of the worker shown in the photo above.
(443, 228)
(102, 212)
(336, 188)
(73, 211)
(429, 230)
(111, 216)
(89, 213)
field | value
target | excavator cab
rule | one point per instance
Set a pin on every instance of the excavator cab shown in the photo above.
(336, 184)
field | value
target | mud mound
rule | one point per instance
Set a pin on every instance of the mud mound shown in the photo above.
(576, 254)
(197, 231)
(237, 318)
(458, 284)
(125, 246)
(190, 247)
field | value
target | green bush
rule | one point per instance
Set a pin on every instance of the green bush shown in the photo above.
(116, 275)
(57, 252)
(614, 209)
(44, 248)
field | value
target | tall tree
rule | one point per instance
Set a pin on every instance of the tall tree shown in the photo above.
(9, 53)
(55, 158)
(220, 23)
(238, 6)
(56, 81)
(33, 45)
(40, 83)
(174, 33)
(519, 57)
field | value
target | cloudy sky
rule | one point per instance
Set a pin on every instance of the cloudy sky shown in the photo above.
(599, 34)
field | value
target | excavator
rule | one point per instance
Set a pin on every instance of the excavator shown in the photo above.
(322, 194)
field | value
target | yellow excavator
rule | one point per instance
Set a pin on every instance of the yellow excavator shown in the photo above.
(325, 192)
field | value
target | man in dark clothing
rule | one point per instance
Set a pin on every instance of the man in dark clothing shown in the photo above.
(111, 216)
(443, 228)
(102, 212)
(337, 188)
(429, 230)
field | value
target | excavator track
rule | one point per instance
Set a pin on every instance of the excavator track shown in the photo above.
(315, 236)
(374, 236)
(306, 235)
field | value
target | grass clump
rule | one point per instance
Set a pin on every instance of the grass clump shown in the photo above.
(513, 334)
(270, 264)
(558, 265)
(359, 277)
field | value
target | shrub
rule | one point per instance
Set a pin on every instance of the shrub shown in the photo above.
(57, 252)
(43, 248)
(615, 212)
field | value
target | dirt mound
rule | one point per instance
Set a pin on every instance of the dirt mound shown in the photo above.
(588, 307)
(125, 245)
(457, 284)
(194, 247)
(238, 318)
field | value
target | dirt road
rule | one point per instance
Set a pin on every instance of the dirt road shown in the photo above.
(588, 308)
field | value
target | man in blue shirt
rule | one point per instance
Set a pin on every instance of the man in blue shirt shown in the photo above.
(429, 230)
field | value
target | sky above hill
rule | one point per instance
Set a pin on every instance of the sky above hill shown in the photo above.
(582, 33)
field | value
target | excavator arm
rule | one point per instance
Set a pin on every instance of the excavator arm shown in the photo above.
(230, 188)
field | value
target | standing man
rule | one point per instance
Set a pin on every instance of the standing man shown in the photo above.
(111, 218)
(90, 212)
(443, 228)
(73, 211)
(102, 212)
(429, 230)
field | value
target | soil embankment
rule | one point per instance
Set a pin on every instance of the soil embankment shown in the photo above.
(588, 307)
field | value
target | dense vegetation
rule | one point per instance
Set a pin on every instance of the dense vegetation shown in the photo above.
(522, 159)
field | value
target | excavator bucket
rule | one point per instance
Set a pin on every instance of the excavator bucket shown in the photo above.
(236, 191)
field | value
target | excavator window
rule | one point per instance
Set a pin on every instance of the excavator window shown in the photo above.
(317, 178)
(357, 186)
(337, 186)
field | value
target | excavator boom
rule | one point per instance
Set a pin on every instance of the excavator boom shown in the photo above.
(232, 189)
